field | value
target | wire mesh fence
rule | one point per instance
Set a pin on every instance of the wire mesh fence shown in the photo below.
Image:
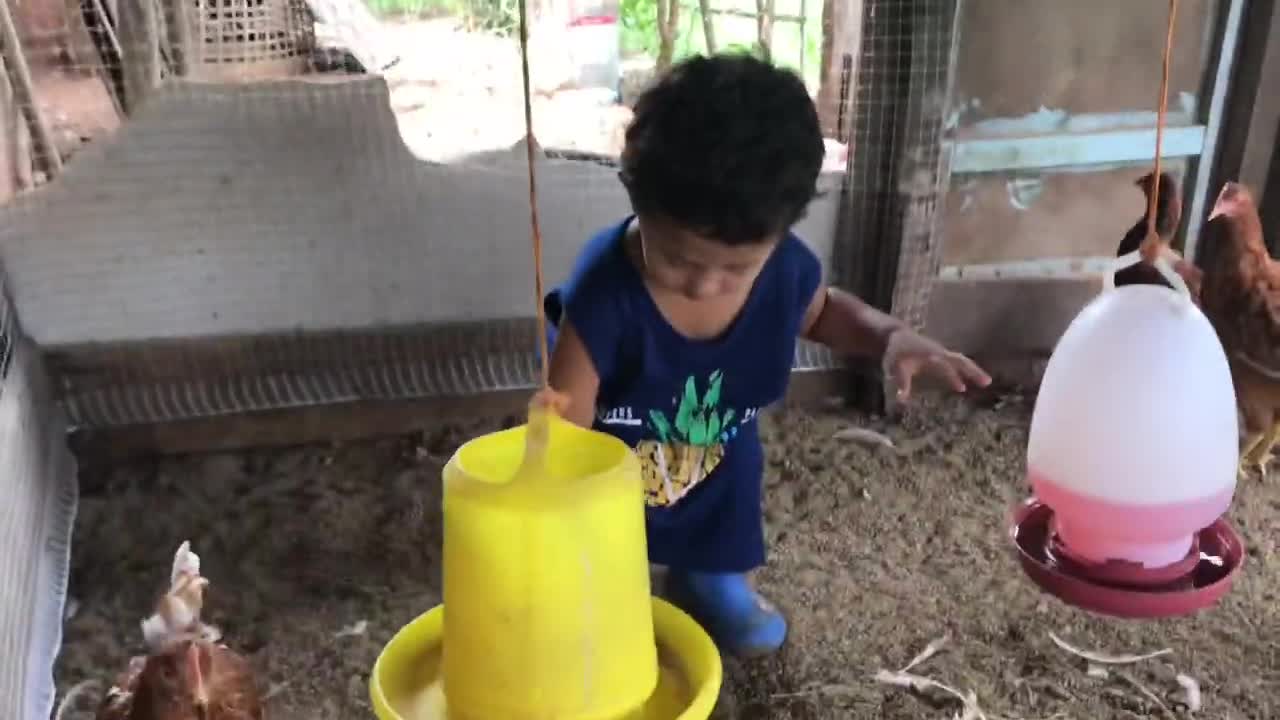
(233, 205)
(895, 177)
(221, 206)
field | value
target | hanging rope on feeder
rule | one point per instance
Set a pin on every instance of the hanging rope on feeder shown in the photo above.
(1153, 245)
(547, 399)
(1154, 250)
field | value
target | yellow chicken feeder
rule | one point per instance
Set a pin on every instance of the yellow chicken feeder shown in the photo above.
(546, 581)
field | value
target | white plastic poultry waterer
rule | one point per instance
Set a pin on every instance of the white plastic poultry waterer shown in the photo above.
(1132, 458)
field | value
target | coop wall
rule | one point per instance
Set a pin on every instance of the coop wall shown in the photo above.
(239, 228)
(1053, 121)
(378, 274)
(38, 483)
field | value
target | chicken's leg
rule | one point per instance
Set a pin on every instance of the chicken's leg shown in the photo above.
(1246, 454)
(1258, 453)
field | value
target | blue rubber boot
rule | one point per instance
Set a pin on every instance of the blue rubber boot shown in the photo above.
(739, 619)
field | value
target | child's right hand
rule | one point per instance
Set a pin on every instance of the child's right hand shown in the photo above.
(910, 353)
(550, 399)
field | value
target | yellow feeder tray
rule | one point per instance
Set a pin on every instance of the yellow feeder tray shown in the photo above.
(546, 579)
(406, 682)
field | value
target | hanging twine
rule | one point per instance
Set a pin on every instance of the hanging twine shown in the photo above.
(1152, 244)
(543, 349)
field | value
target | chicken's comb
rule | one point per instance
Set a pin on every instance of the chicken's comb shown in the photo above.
(185, 562)
(1234, 192)
(1231, 199)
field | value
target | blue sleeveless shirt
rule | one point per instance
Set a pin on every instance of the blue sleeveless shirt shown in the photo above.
(688, 407)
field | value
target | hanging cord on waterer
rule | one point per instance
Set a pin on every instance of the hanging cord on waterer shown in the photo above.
(543, 350)
(1151, 245)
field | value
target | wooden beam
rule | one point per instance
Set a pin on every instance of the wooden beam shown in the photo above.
(1001, 154)
(1039, 268)
(841, 38)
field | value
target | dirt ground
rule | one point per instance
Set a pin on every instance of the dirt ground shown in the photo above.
(318, 554)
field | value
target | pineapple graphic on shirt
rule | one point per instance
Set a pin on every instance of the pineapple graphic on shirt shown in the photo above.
(689, 445)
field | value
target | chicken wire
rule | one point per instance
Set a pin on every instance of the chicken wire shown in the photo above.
(38, 481)
(317, 221)
(249, 211)
(898, 174)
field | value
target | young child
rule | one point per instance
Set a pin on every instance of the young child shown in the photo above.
(678, 324)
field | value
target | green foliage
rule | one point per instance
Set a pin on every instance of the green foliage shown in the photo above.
(639, 27)
(496, 16)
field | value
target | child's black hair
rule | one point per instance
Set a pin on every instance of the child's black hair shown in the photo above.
(727, 146)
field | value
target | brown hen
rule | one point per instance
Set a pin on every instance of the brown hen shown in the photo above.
(1168, 215)
(1241, 297)
(187, 674)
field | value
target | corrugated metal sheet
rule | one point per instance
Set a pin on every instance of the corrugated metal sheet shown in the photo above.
(162, 381)
(38, 484)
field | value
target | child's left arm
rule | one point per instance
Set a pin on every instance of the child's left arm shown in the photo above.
(849, 326)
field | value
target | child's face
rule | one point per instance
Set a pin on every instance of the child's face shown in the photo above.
(681, 261)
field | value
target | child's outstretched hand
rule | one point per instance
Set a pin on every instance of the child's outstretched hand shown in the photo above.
(909, 353)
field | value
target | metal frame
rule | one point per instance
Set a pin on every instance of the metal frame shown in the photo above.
(1249, 153)
(1115, 145)
(1217, 104)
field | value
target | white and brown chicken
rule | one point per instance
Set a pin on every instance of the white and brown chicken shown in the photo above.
(187, 673)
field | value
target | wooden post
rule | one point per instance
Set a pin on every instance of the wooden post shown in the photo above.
(886, 246)
(708, 25)
(24, 94)
(139, 33)
(668, 28)
(841, 36)
(186, 50)
(925, 174)
(764, 28)
(10, 122)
